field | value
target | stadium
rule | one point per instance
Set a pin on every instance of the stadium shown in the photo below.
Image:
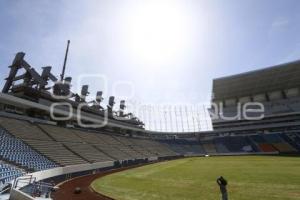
(48, 157)
(61, 144)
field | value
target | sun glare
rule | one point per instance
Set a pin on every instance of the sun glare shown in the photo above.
(157, 32)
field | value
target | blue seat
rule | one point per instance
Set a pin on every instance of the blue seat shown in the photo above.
(17, 151)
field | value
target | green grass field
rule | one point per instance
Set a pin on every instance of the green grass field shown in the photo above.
(249, 177)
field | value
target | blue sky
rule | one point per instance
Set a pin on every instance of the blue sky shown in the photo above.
(169, 50)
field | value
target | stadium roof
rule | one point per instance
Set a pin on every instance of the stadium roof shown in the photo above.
(279, 77)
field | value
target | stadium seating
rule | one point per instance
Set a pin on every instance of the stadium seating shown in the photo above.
(23, 129)
(220, 146)
(68, 146)
(8, 173)
(194, 147)
(139, 146)
(60, 134)
(272, 138)
(37, 147)
(120, 147)
(14, 150)
(88, 152)
(155, 148)
(237, 144)
(126, 146)
(270, 108)
(209, 147)
(284, 147)
(112, 151)
(263, 145)
(292, 138)
(56, 151)
(182, 146)
(279, 143)
(174, 146)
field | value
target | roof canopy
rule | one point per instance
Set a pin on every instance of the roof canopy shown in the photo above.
(280, 77)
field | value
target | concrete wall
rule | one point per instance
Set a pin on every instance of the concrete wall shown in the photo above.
(16, 194)
(41, 175)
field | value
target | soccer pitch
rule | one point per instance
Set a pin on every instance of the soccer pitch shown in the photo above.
(249, 178)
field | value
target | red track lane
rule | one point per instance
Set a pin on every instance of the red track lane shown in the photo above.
(66, 189)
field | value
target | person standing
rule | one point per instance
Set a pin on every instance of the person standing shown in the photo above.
(222, 184)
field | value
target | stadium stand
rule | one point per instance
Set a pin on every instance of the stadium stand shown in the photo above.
(126, 146)
(60, 134)
(14, 150)
(8, 173)
(262, 144)
(193, 146)
(135, 144)
(183, 147)
(112, 151)
(69, 146)
(31, 141)
(32, 145)
(220, 146)
(279, 143)
(88, 152)
(155, 148)
(277, 90)
(23, 129)
(237, 144)
(173, 144)
(292, 139)
(209, 147)
(56, 151)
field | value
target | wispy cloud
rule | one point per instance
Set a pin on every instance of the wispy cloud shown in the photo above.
(280, 22)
